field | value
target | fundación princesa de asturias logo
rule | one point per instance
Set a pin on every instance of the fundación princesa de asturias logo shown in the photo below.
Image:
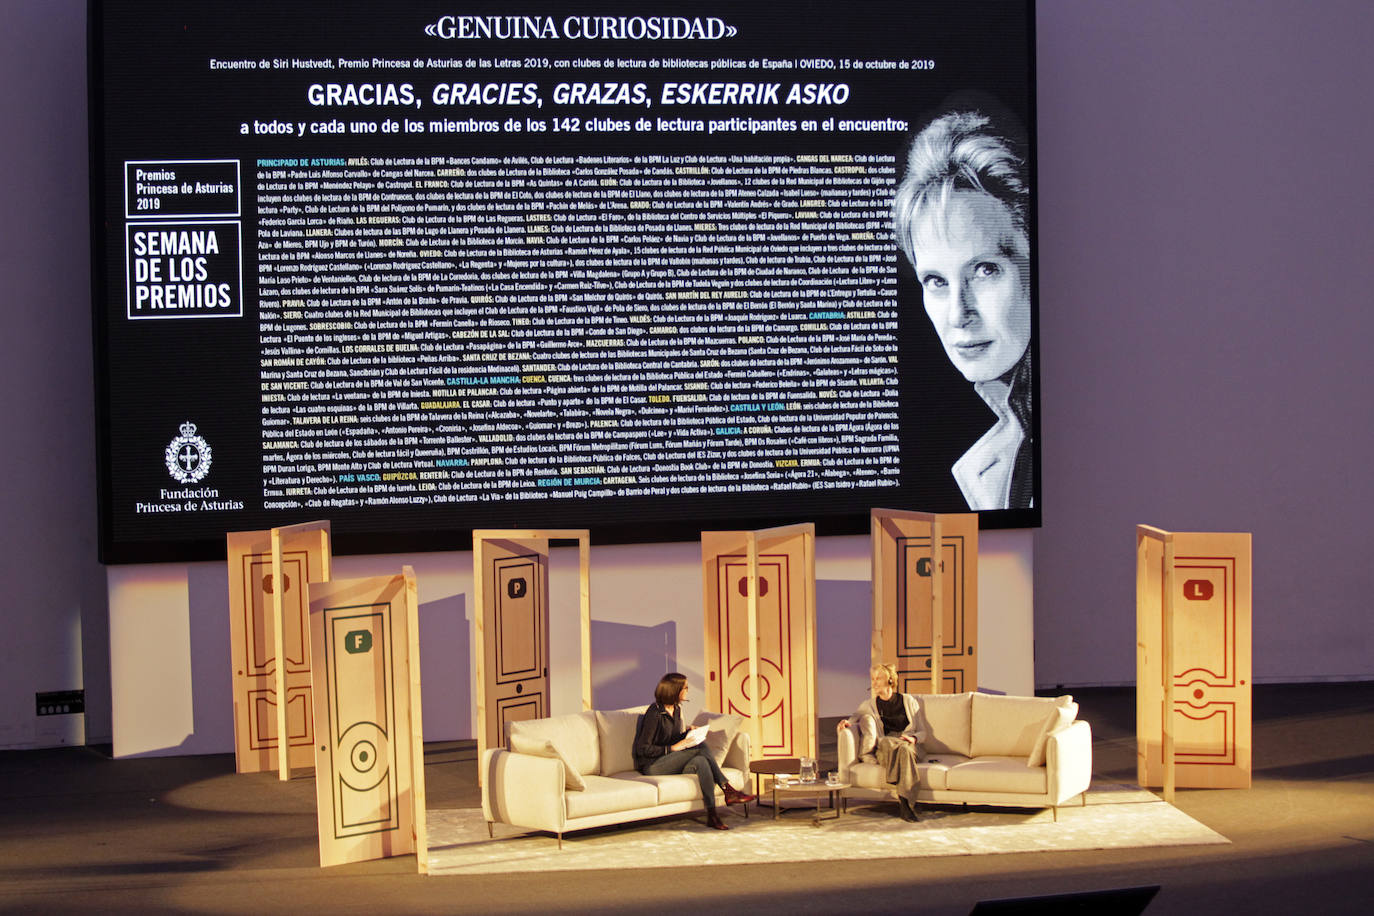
(188, 455)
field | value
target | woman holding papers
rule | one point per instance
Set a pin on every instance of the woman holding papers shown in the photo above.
(663, 746)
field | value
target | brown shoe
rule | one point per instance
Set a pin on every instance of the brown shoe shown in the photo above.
(734, 796)
(714, 822)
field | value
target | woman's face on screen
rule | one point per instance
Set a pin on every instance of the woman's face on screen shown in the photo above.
(973, 265)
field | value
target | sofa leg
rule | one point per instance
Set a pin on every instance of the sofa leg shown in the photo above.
(1055, 809)
(560, 841)
(490, 834)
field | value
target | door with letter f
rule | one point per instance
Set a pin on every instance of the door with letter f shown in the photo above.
(369, 766)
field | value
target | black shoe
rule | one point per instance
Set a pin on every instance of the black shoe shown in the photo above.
(905, 811)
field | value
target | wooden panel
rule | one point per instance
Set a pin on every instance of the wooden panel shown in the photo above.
(1211, 679)
(1149, 621)
(417, 736)
(903, 594)
(253, 654)
(784, 633)
(263, 723)
(511, 629)
(514, 596)
(363, 759)
(518, 709)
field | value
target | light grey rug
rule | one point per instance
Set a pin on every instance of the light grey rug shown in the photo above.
(1115, 817)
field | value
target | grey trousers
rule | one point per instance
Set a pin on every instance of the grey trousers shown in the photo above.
(696, 760)
(898, 758)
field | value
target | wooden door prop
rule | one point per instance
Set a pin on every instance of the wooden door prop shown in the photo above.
(759, 592)
(369, 756)
(510, 571)
(925, 598)
(1193, 631)
(417, 723)
(261, 618)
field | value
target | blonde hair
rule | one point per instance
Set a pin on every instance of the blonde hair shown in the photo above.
(889, 671)
(961, 151)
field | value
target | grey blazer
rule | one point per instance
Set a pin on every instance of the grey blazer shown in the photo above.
(866, 719)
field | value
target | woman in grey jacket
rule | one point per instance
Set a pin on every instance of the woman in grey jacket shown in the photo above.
(889, 728)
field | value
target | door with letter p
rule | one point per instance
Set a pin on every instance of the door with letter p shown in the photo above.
(515, 625)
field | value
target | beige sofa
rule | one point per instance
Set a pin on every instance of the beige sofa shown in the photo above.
(985, 749)
(576, 771)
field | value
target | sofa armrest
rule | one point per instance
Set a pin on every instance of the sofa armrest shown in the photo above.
(846, 753)
(1069, 761)
(523, 790)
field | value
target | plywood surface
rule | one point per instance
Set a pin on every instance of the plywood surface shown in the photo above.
(1208, 590)
(364, 766)
(254, 657)
(759, 595)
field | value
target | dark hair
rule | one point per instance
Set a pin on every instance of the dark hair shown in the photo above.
(669, 688)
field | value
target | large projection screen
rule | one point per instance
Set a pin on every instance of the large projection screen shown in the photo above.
(424, 267)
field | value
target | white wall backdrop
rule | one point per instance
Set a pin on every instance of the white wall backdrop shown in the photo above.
(1207, 312)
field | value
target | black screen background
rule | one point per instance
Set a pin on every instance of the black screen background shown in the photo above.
(154, 98)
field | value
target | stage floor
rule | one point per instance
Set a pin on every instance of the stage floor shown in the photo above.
(81, 832)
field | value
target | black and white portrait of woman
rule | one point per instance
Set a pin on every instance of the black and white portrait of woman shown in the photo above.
(961, 218)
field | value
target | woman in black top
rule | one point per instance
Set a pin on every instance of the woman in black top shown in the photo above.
(662, 746)
(889, 729)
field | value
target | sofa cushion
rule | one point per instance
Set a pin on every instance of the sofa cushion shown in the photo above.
(616, 734)
(574, 735)
(932, 773)
(723, 727)
(934, 769)
(605, 795)
(673, 787)
(520, 744)
(997, 774)
(946, 723)
(1061, 716)
(1007, 726)
(867, 775)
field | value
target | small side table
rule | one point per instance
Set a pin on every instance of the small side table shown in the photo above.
(818, 790)
(772, 766)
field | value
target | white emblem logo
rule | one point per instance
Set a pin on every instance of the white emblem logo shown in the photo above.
(188, 456)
